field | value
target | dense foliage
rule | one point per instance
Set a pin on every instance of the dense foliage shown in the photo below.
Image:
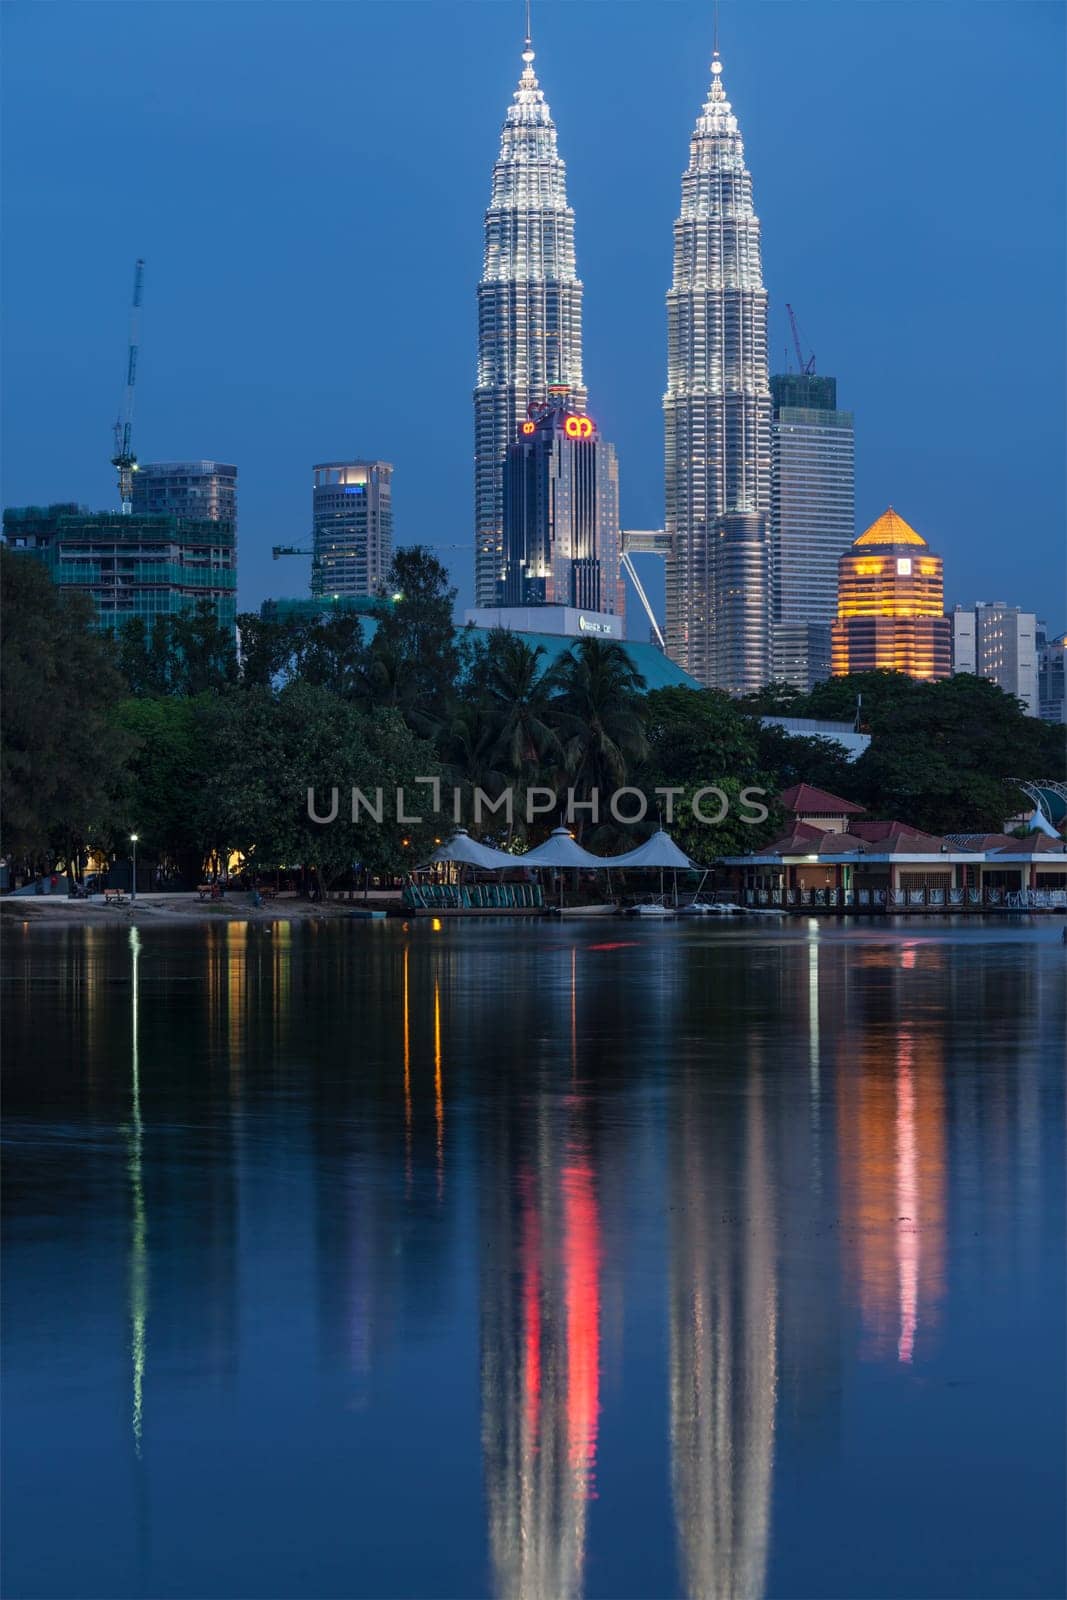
(204, 750)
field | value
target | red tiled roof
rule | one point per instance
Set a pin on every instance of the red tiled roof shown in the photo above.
(796, 841)
(816, 802)
(876, 832)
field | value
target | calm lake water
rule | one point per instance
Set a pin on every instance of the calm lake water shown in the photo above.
(535, 1261)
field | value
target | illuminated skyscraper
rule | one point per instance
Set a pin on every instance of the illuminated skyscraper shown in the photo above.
(718, 415)
(812, 522)
(561, 515)
(891, 604)
(529, 309)
(352, 527)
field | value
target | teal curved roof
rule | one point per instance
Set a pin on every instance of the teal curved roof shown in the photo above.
(657, 669)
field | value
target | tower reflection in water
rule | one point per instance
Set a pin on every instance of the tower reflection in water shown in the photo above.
(723, 1330)
(540, 1310)
(891, 1156)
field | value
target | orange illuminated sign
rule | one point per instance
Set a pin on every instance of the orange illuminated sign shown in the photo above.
(578, 428)
(528, 427)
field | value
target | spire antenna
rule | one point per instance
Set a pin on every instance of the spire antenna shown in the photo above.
(529, 36)
(715, 27)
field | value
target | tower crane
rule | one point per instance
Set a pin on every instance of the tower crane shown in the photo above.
(306, 550)
(124, 458)
(807, 367)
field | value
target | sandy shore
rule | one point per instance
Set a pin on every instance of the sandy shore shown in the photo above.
(59, 911)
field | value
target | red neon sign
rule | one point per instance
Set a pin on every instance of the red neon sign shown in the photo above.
(578, 428)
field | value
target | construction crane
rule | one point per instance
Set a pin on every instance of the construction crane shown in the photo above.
(807, 368)
(306, 550)
(124, 458)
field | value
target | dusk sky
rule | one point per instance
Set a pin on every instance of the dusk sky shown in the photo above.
(307, 185)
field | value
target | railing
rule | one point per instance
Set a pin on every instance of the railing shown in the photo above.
(906, 899)
(1037, 899)
(475, 896)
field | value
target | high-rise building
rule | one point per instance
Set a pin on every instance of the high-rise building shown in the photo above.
(561, 515)
(205, 490)
(998, 642)
(813, 520)
(1051, 676)
(351, 526)
(529, 309)
(891, 604)
(147, 565)
(717, 410)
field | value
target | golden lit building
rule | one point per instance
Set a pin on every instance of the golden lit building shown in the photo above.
(891, 604)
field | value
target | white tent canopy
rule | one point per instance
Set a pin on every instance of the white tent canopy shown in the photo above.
(462, 848)
(561, 850)
(658, 851)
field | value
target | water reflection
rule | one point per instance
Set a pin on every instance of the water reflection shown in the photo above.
(609, 1264)
(723, 1335)
(892, 1154)
(540, 1320)
(138, 1216)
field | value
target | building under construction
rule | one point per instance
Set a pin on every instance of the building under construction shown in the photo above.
(141, 564)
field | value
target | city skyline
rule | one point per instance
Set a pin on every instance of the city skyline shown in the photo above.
(903, 329)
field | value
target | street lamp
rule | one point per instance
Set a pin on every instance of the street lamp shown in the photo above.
(133, 884)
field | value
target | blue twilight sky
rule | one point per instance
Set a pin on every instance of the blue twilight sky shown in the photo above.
(307, 182)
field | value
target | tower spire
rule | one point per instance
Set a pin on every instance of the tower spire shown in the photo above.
(529, 35)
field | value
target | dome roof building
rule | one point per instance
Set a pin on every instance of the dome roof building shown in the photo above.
(891, 604)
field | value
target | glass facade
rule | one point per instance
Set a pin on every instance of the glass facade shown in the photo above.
(352, 527)
(144, 565)
(812, 518)
(717, 410)
(205, 490)
(561, 517)
(529, 309)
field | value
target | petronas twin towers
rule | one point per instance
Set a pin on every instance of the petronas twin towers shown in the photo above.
(718, 401)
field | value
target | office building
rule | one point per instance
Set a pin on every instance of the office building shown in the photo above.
(203, 490)
(352, 526)
(891, 605)
(146, 565)
(998, 642)
(561, 515)
(529, 309)
(1051, 678)
(813, 522)
(717, 412)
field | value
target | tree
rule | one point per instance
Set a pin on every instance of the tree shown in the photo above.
(269, 648)
(62, 756)
(163, 797)
(700, 739)
(186, 652)
(267, 750)
(599, 710)
(803, 758)
(414, 645)
(943, 756)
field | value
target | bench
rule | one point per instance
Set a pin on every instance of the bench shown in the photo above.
(114, 897)
(209, 891)
(269, 894)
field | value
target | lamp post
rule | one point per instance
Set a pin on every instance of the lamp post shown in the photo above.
(133, 882)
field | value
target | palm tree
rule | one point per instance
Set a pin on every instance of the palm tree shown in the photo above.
(598, 710)
(517, 697)
(467, 747)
